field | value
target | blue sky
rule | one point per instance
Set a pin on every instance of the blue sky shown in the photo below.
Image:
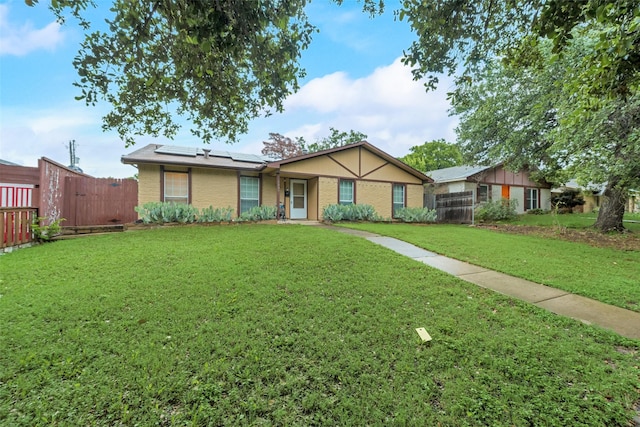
(354, 81)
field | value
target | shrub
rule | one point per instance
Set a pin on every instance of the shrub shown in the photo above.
(352, 212)
(333, 213)
(567, 200)
(499, 210)
(44, 233)
(259, 213)
(163, 212)
(215, 215)
(416, 215)
(536, 212)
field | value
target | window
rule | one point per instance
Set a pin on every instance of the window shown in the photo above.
(531, 198)
(398, 198)
(249, 193)
(345, 196)
(483, 193)
(176, 187)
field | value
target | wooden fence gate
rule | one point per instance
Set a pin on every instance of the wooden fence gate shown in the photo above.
(99, 201)
(455, 207)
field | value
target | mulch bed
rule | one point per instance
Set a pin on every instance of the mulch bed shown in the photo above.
(623, 241)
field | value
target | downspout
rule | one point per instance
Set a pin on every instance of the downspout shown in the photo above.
(278, 195)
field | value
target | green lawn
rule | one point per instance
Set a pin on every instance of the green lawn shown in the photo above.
(286, 325)
(574, 220)
(608, 275)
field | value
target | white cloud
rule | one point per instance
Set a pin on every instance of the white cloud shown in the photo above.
(388, 105)
(19, 40)
(28, 135)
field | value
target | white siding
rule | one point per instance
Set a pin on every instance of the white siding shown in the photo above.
(517, 193)
(545, 198)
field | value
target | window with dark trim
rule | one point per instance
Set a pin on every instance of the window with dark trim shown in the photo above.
(176, 187)
(249, 193)
(399, 193)
(483, 193)
(530, 199)
(345, 192)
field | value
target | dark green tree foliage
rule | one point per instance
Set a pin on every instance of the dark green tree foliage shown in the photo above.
(527, 117)
(459, 36)
(568, 199)
(336, 139)
(552, 108)
(218, 64)
(433, 155)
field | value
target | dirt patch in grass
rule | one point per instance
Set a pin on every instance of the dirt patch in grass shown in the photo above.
(625, 241)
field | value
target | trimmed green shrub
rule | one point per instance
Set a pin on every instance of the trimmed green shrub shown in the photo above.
(353, 212)
(420, 215)
(163, 212)
(212, 214)
(259, 213)
(499, 210)
(536, 212)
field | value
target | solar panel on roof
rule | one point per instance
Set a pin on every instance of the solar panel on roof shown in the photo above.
(177, 150)
(194, 152)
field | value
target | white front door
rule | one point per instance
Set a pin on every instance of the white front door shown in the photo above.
(298, 199)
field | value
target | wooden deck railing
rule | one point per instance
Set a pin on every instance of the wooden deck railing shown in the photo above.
(15, 226)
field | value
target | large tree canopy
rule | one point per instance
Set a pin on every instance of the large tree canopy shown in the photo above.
(218, 64)
(553, 107)
(433, 155)
(526, 117)
(459, 36)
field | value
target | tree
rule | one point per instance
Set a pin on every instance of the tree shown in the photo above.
(433, 155)
(217, 64)
(336, 139)
(597, 95)
(459, 36)
(524, 117)
(282, 147)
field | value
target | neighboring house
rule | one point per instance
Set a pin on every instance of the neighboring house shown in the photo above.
(356, 173)
(18, 185)
(593, 194)
(493, 183)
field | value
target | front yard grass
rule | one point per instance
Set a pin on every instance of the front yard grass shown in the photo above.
(575, 220)
(608, 275)
(286, 325)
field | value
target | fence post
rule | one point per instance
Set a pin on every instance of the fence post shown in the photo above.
(473, 208)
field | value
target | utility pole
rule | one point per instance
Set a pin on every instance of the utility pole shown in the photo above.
(73, 160)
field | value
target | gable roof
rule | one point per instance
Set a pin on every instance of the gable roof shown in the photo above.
(363, 144)
(159, 154)
(198, 157)
(456, 173)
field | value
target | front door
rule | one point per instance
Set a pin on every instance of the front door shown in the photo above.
(505, 192)
(298, 199)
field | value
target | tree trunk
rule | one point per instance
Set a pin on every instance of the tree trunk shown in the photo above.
(612, 210)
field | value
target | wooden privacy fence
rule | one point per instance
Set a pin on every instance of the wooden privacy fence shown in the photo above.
(455, 207)
(15, 225)
(99, 201)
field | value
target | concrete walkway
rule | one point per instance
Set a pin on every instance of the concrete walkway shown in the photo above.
(624, 322)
